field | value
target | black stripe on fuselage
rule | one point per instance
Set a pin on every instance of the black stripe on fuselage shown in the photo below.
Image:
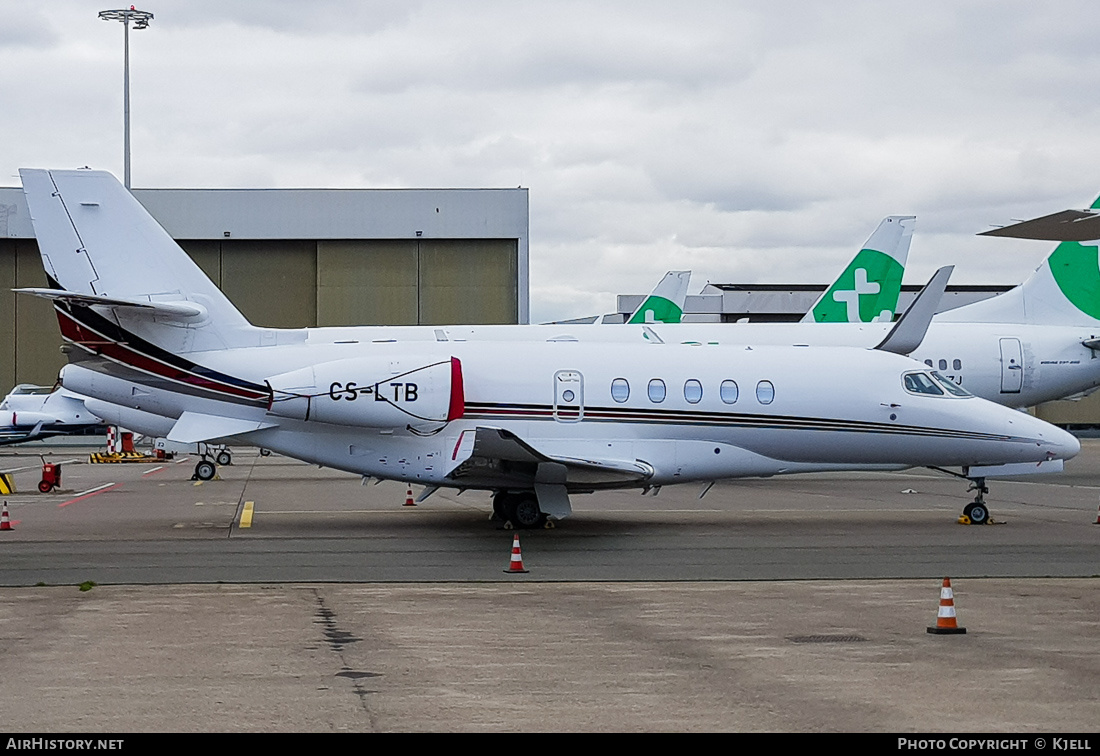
(146, 359)
(489, 411)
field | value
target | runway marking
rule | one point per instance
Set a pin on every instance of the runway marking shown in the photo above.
(150, 472)
(246, 514)
(90, 492)
(38, 467)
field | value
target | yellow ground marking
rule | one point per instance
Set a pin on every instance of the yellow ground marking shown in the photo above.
(246, 514)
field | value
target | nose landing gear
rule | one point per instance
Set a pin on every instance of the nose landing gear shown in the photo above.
(976, 511)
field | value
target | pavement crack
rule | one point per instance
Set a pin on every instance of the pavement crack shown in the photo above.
(338, 640)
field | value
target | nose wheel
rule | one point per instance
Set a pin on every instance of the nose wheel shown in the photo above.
(976, 511)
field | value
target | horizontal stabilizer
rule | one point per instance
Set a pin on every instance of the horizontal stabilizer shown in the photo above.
(1068, 225)
(193, 427)
(180, 310)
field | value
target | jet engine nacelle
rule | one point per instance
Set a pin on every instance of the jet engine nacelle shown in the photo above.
(371, 392)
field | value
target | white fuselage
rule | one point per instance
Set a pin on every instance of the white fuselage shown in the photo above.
(794, 409)
(1054, 362)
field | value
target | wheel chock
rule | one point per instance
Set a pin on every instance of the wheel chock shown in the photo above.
(964, 520)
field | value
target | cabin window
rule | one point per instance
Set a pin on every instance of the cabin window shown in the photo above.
(921, 383)
(693, 391)
(728, 392)
(929, 363)
(765, 392)
(951, 386)
(620, 390)
(957, 364)
(943, 364)
(656, 391)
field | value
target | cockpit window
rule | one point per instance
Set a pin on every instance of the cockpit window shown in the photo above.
(921, 383)
(950, 385)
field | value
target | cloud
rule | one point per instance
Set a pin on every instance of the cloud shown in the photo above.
(747, 142)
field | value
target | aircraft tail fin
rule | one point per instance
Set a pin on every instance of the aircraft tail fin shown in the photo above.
(867, 290)
(1063, 290)
(101, 249)
(665, 304)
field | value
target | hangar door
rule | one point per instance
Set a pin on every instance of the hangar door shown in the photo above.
(417, 281)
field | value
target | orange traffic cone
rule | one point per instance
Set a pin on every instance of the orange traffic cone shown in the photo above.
(516, 564)
(945, 619)
(409, 498)
(5, 521)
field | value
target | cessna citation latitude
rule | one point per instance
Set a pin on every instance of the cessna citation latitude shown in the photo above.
(533, 419)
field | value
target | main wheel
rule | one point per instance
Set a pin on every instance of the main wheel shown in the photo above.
(977, 513)
(523, 511)
(205, 470)
(500, 505)
(224, 458)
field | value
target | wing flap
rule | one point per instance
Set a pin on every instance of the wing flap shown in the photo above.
(495, 456)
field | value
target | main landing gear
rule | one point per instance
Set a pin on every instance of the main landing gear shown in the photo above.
(205, 469)
(521, 508)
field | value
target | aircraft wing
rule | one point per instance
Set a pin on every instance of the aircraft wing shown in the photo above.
(497, 457)
(10, 436)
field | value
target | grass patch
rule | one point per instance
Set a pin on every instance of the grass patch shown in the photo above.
(87, 585)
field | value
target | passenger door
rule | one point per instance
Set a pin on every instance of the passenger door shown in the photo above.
(568, 396)
(1012, 366)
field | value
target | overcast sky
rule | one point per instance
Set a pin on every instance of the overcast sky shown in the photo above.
(748, 142)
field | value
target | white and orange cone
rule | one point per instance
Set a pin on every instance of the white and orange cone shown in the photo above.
(5, 521)
(945, 619)
(516, 564)
(409, 498)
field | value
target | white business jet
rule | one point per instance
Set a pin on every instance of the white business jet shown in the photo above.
(32, 413)
(533, 419)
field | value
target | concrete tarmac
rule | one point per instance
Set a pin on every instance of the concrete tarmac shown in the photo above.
(795, 605)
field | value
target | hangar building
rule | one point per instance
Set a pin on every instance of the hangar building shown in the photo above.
(304, 257)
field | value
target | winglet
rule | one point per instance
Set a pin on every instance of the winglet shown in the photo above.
(908, 333)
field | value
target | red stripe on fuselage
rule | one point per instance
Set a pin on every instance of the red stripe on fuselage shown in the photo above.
(79, 334)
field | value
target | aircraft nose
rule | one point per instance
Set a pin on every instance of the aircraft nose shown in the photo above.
(1061, 444)
(1054, 442)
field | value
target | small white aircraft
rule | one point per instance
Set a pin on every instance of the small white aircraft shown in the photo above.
(529, 416)
(31, 413)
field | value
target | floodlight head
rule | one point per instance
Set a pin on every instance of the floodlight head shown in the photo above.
(140, 18)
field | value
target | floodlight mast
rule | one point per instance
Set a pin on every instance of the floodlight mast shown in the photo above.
(141, 20)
